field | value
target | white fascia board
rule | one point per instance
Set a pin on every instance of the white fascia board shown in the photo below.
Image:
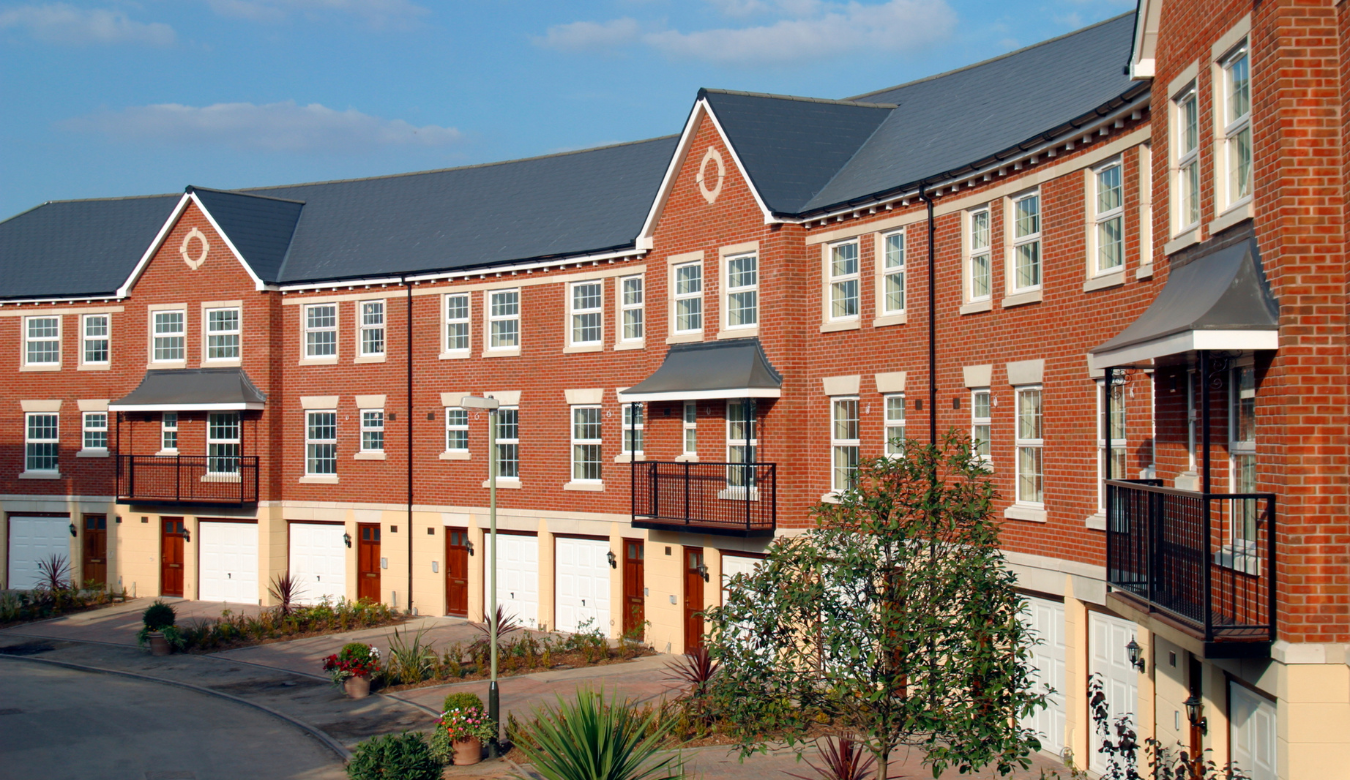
(384, 282)
(1188, 341)
(230, 407)
(702, 395)
(1142, 62)
(258, 283)
(136, 272)
(542, 264)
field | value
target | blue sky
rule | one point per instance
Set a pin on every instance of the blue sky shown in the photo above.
(116, 97)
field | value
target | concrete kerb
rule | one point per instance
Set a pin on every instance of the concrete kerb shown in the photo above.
(313, 731)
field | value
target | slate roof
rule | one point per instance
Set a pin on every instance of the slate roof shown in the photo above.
(188, 388)
(259, 227)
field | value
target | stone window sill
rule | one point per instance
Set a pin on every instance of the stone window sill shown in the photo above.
(1096, 522)
(1021, 299)
(634, 344)
(685, 338)
(507, 352)
(1182, 241)
(977, 306)
(625, 457)
(458, 354)
(319, 479)
(738, 333)
(591, 487)
(1022, 512)
(835, 327)
(369, 359)
(224, 478)
(890, 319)
(372, 455)
(42, 367)
(580, 348)
(39, 475)
(94, 367)
(454, 455)
(1105, 281)
(504, 483)
(688, 457)
(101, 452)
(319, 361)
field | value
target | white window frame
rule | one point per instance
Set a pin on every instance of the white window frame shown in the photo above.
(30, 442)
(168, 423)
(894, 426)
(90, 424)
(312, 341)
(734, 290)
(587, 419)
(1187, 169)
(632, 309)
(219, 448)
(456, 422)
(842, 282)
(87, 339)
(736, 475)
(693, 299)
(29, 341)
(508, 338)
(634, 449)
(586, 317)
(982, 425)
(211, 333)
(1232, 127)
(1241, 544)
(454, 322)
(1025, 443)
(689, 430)
(316, 452)
(844, 445)
(1118, 443)
(503, 442)
(168, 337)
(890, 246)
(1030, 239)
(983, 253)
(371, 333)
(372, 429)
(1103, 218)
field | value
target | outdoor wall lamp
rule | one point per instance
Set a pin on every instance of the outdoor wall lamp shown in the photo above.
(73, 533)
(469, 544)
(347, 540)
(613, 561)
(1194, 710)
(703, 571)
(1136, 654)
(187, 534)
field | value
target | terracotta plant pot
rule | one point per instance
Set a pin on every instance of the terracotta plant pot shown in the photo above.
(357, 687)
(158, 644)
(468, 751)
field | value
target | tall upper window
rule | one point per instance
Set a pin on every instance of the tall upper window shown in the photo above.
(1237, 131)
(981, 267)
(844, 442)
(457, 323)
(222, 334)
(456, 429)
(1187, 189)
(587, 313)
(321, 330)
(508, 442)
(41, 441)
(844, 280)
(1117, 445)
(742, 443)
(94, 330)
(170, 336)
(742, 291)
(320, 442)
(372, 430)
(1030, 447)
(634, 428)
(222, 442)
(42, 341)
(95, 430)
(981, 423)
(503, 319)
(632, 298)
(1027, 242)
(586, 444)
(168, 432)
(689, 297)
(1242, 452)
(893, 273)
(1109, 216)
(372, 328)
(690, 427)
(895, 424)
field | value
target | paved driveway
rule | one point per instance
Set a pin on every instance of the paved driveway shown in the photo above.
(120, 623)
(60, 723)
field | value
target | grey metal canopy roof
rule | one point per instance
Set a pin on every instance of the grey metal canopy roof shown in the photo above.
(1218, 301)
(735, 368)
(192, 389)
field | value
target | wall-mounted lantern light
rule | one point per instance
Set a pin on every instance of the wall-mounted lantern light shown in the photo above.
(613, 562)
(73, 532)
(1195, 713)
(1136, 654)
(347, 540)
(469, 544)
(703, 571)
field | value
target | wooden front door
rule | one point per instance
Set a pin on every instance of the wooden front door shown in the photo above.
(634, 597)
(368, 561)
(457, 572)
(693, 598)
(95, 549)
(172, 535)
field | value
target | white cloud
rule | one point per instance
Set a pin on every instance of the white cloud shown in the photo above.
(62, 23)
(590, 36)
(742, 8)
(839, 28)
(379, 12)
(274, 127)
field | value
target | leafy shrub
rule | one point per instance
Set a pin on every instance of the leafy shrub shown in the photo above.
(54, 574)
(461, 701)
(158, 616)
(591, 739)
(403, 756)
(842, 759)
(695, 669)
(457, 724)
(230, 629)
(355, 659)
(285, 589)
(409, 661)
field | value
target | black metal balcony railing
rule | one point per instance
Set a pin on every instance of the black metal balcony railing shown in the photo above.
(739, 499)
(187, 479)
(1206, 560)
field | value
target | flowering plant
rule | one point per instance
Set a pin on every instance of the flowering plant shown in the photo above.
(457, 725)
(353, 660)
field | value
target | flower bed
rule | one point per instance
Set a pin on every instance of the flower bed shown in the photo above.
(278, 624)
(26, 606)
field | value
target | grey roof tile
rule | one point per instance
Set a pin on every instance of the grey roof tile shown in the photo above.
(259, 227)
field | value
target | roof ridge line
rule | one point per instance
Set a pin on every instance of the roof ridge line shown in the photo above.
(798, 98)
(982, 63)
(242, 194)
(251, 190)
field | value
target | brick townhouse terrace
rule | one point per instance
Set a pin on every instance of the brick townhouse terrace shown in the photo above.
(1116, 258)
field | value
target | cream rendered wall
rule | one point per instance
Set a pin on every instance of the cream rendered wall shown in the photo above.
(1171, 688)
(548, 618)
(428, 585)
(1078, 721)
(273, 551)
(663, 570)
(1314, 721)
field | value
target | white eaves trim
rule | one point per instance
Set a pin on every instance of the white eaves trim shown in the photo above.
(1143, 64)
(1188, 341)
(223, 407)
(702, 395)
(625, 254)
(188, 197)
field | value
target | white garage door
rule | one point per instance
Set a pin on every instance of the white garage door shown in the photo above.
(318, 562)
(35, 539)
(228, 562)
(1045, 619)
(1253, 732)
(518, 585)
(582, 594)
(1109, 637)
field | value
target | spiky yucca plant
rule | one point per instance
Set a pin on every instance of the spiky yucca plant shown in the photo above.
(842, 759)
(591, 739)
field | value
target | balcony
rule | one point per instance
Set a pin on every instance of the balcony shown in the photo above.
(1203, 562)
(732, 499)
(187, 480)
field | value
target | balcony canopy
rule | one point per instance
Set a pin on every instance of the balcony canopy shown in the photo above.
(736, 368)
(191, 390)
(1218, 301)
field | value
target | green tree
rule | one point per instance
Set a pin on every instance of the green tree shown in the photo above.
(894, 620)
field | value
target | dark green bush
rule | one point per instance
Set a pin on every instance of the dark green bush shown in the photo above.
(403, 756)
(460, 701)
(158, 616)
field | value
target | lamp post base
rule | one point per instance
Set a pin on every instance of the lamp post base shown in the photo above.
(494, 745)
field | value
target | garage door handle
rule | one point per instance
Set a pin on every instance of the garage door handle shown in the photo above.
(583, 602)
(229, 576)
(318, 578)
(513, 594)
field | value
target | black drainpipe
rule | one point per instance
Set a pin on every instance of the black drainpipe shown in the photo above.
(932, 319)
(410, 444)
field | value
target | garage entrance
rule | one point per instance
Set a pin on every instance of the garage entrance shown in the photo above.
(227, 562)
(518, 573)
(34, 539)
(318, 561)
(581, 575)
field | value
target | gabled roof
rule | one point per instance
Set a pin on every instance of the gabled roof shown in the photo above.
(260, 228)
(77, 247)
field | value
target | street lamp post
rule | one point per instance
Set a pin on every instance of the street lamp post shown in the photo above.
(491, 405)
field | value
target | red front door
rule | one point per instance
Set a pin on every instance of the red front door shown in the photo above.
(457, 572)
(634, 601)
(368, 561)
(95, 549)
(173, 534)
(693, 598)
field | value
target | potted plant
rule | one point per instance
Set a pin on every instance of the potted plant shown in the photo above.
(352, 667)
(158, 629)
(461, 731)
